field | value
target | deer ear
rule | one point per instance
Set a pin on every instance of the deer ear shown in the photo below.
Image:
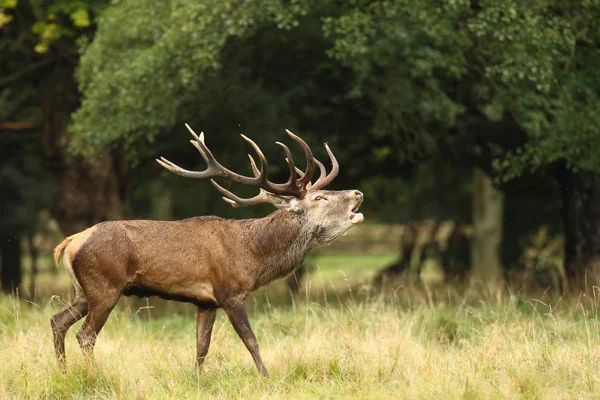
(288, 203)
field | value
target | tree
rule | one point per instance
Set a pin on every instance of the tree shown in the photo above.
(487, 220)
(39, 51)
(266, 74)
(509, 87)
(40, 42)
(533, 63)
(25, 190)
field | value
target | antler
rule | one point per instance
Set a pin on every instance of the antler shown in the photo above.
(293, 187)
(326, 179)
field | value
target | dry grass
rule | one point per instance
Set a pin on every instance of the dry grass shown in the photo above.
(334, 343)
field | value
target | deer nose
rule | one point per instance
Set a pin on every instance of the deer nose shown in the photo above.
(358, 195)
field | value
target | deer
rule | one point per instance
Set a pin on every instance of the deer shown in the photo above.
(211, 262)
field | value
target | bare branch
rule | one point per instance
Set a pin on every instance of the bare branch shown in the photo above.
(19, 126)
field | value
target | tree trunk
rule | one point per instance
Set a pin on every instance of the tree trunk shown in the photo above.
(89, 191)
(488, 204)
(10, 263)
(581, 224)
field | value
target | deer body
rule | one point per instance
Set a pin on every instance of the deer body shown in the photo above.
(208, 261)
(133, 255)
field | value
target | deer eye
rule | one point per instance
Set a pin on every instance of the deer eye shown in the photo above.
(318, 198)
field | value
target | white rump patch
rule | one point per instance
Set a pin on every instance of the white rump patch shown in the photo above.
(71, 250)
(71, 273)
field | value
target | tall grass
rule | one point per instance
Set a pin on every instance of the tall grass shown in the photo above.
(331, 342)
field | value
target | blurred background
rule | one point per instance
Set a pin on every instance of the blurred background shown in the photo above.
(472, 128)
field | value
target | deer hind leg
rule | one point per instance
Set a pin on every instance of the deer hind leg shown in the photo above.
(236, 311)
(204, 325)
(63, 320)
(98, 313)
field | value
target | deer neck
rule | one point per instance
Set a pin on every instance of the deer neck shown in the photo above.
(280, 241)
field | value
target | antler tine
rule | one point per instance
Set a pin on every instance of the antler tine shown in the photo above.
(215, 169)
(326, 180)
(236, 201)
(290, 161)
(322, 171)
(176, 169)
(292, 187)
(310, 163)
(264, 168)
(196, 143)
(198, 138)
(253, 165)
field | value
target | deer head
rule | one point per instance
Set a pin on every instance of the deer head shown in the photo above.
(331, 212)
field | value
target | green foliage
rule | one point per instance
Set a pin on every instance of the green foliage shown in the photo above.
(32, 28)
(403, 53)
(145, 61)
(5, 17)
(421, 71)
(55, 19)
(534, 62)
(502, 84)
(541, 59)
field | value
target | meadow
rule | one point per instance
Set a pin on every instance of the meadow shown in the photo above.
(338, 339)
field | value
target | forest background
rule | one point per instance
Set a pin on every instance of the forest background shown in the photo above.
(472, 128)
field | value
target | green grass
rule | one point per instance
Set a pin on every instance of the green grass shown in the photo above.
(354, 267)
(340, 339)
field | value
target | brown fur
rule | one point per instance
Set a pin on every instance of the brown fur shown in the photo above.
(132, 253)
(209, 261)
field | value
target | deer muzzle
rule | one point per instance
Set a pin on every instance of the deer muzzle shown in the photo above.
(355, 216)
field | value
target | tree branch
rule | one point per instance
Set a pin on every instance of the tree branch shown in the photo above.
(19, 126)
(7, 80)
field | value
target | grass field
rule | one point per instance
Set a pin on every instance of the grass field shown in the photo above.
(340, 339)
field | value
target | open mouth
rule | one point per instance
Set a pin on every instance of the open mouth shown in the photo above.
(356, 217)
(356, 207)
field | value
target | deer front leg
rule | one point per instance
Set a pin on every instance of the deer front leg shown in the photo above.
(236, 311)
(204, 325)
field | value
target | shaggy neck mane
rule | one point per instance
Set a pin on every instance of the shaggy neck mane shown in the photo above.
(282, 239)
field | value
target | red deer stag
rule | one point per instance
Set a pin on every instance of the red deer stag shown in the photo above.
(208, 261)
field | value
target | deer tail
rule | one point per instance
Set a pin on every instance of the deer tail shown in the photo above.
(59, 250)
